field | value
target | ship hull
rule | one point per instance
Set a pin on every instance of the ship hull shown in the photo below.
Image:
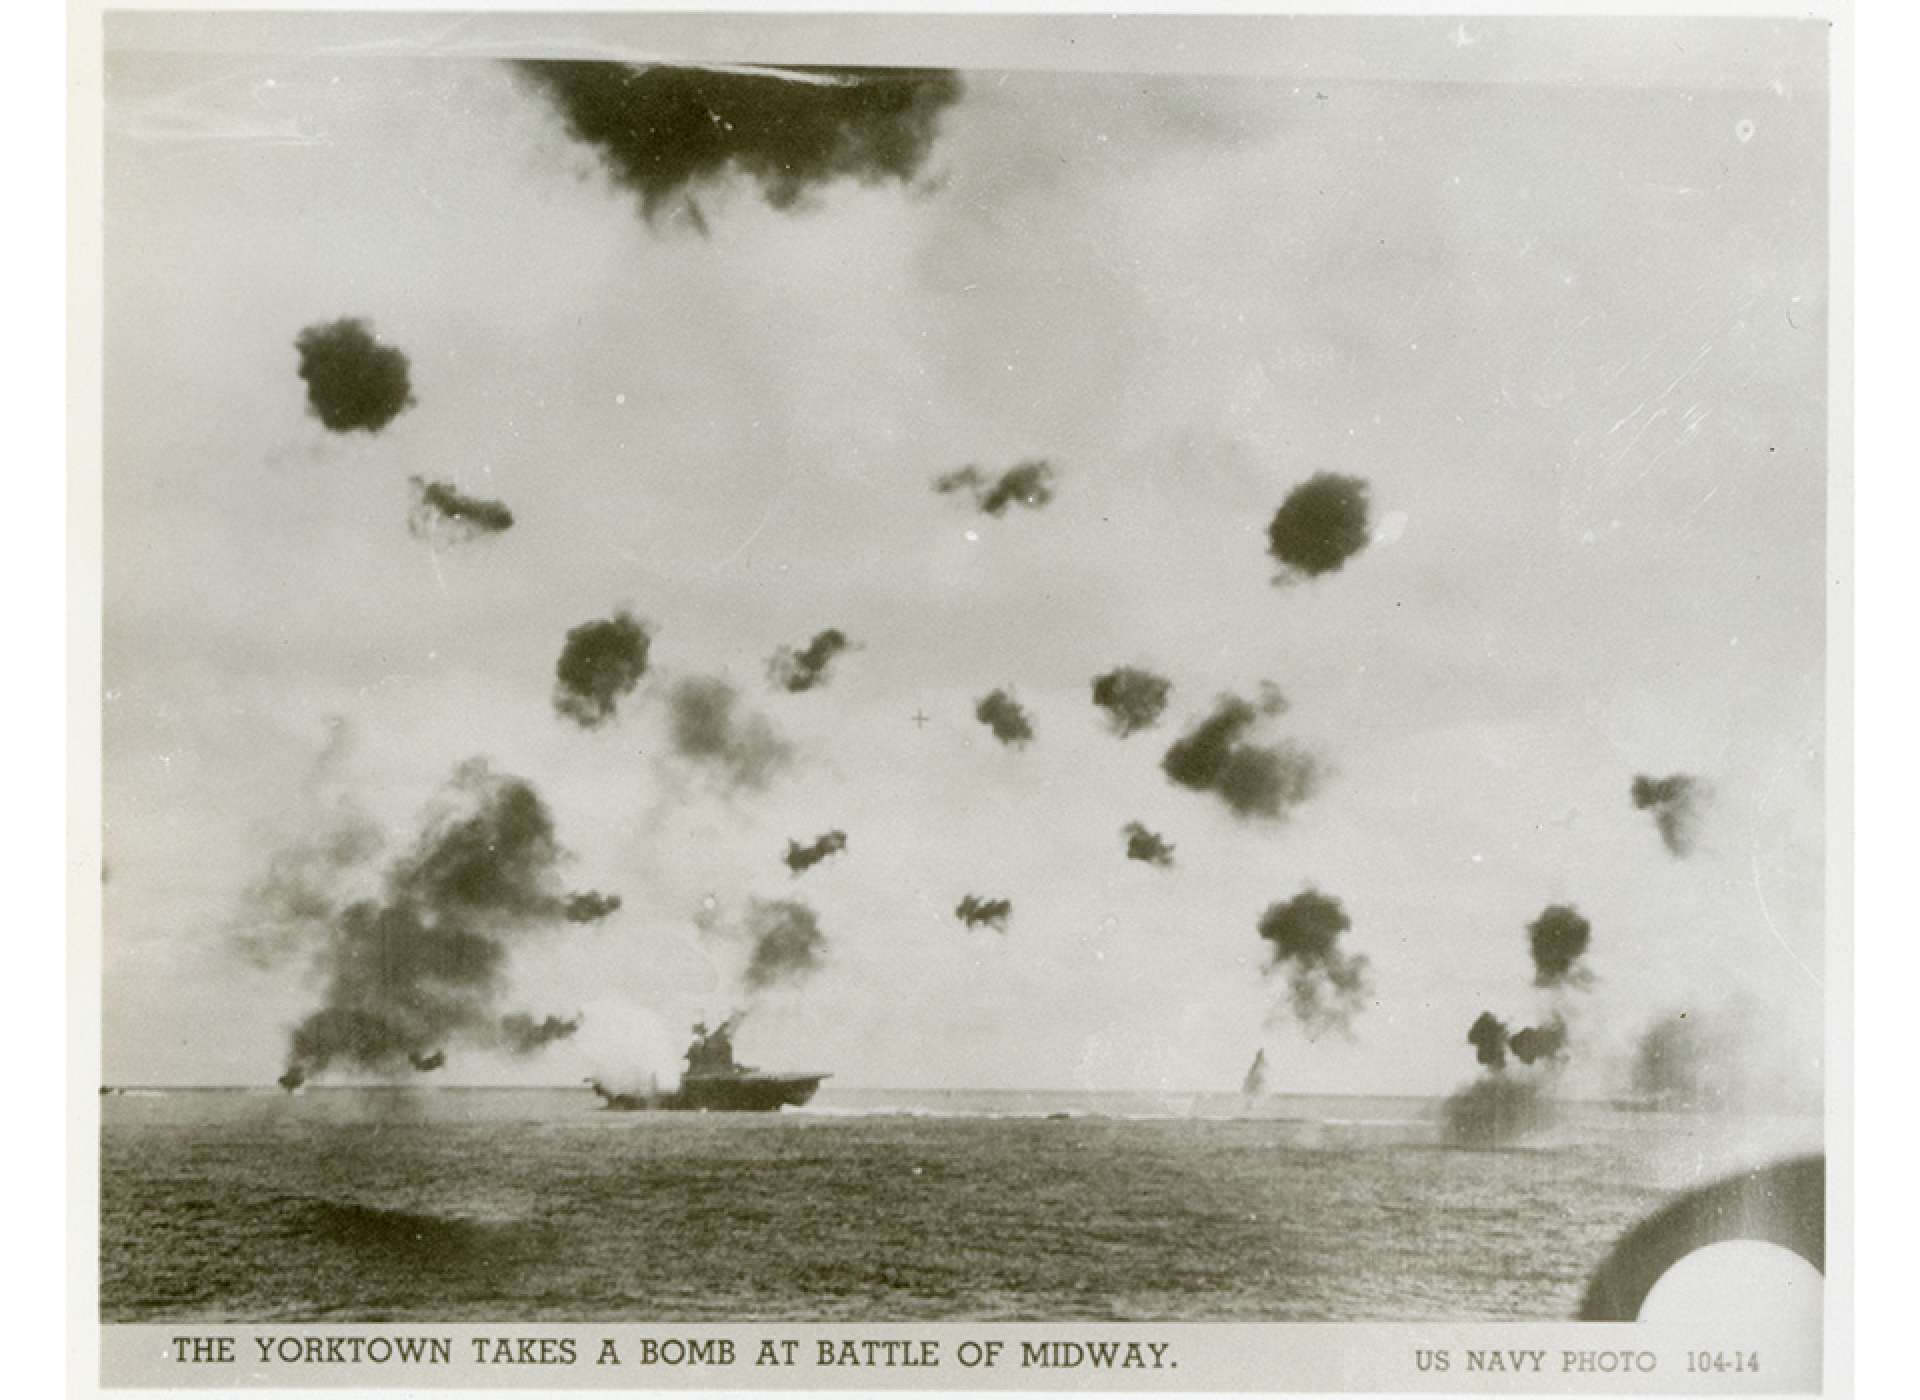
(745, 1093)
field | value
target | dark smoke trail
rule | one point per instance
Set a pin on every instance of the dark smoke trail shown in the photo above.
(974, 911)
(744, 752)
(1326, 987)
(1558, 939)
(787, 942)
(601, 662)
(802, 670)
(523, 1035)
(1321, 525)
(1028, 483)
(666, 133)
(1488, 1037)
(1675, 802)
(1134, 699)
(1145, 845)
(440, 503)
(1001, 713)
(803, 858)
(1254, 780)
(354, 383)
(424, 962)
(589, 906)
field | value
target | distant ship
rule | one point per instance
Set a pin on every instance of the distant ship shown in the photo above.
(1255, 1084)
(715, 1083)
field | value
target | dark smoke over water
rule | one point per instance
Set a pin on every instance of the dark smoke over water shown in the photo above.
(1133, 698)
(668, 133)
(994, 913)
(354, 383)
(600, 664)
(801, 859)
(742, 751)
(786, 941)
(1320, 526)
(1499, 1108)
(1028, 483)
(1675, 802)
(1001, 713)
(441, 506)
(802, 670)
(1145, 845)
(1558, 940)
(1326, 986)
(423, 963)
(1255, 780)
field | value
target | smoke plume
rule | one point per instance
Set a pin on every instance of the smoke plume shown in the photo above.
(1254, 780)
(801, 859)
(1675, 802)
(994, 913)
(667, 133)
(1488, 1037)
(786, 942)
(1326, 986)
(1028, 483)
(1709, 1061)
(1145, 845)
(423, 962)
(802, 670)
(523, 1035)
(589, 907)
(1497, 1109)
(1547, 1041)
(439, 505)
(1001, 713)
(1321, 525)
(600, 664)
(742, 750)
(1134, 699)
(1558, 940)
(354, 383)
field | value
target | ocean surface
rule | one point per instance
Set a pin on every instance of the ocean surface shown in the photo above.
(465, 1205)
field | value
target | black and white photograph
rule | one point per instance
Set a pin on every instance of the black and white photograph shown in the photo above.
(819, 669)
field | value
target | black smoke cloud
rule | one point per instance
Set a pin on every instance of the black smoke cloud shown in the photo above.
(1148, 846)
(974, 911)
(1254, 780)
(1675, 802)
(1134, 699)
(600, 664)
(1321, 525)
(589, 907)
(1497, 1109)
(1001, 713)
(802, 670)
(1547, 1041)
(354, 383)
(801, 859)
(423, 962)
(1558, 941)
(523, 1035)
(1326, 986)
(707, 729)
(439, 505)
(1488, 1037)
(786, 942)
(1028, 483)
(667, 133)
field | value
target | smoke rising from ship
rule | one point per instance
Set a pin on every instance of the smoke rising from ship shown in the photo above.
(786, 942)
(1132, 697)
(1326, 986)
(354, 383)
(600, 664)
(667, 133)
(423, 963)
(1264, 781)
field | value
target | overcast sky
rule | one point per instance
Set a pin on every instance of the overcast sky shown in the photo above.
(1571, 332)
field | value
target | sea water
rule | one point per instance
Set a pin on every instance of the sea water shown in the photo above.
(451, 1204)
